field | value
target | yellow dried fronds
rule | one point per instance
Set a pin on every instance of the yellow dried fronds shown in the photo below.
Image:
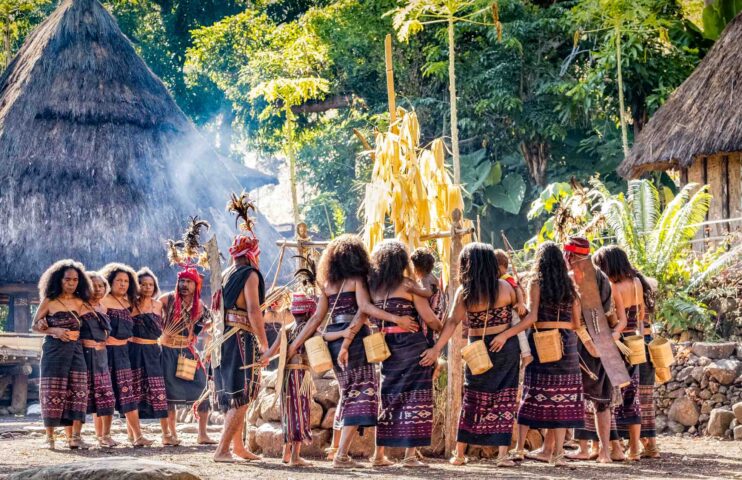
(411, 188)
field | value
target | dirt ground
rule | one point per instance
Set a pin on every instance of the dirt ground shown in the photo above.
(21, 447)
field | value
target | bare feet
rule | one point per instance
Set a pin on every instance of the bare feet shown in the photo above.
(580, 455)
(299, 462)
(206, 440)
(247, 455)
(539, 456)
(382, 461)
(226, 458)
(617, 455)
(603, 457)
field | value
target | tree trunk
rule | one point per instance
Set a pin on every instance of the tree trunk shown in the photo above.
(291, 155)
(621, 103)
(536, 155)
(454, 113)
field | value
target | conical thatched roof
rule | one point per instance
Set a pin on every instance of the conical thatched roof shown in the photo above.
(702, 117)
(97, 162)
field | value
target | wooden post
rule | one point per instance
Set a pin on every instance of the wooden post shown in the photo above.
(455, 372)
(390, 81)
(22, 323)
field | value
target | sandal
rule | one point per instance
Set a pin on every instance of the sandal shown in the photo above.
(76, 442)
(345, 462)
(109, 441)
(140, 441)
(170, 441)
(504, 462)
(634, 456)
(50, 439)
(558, 460)
(651, 452)
(456, 460)
(381, 462)
(413, 462)
(517, 455)
(330, 452)
(535, 455)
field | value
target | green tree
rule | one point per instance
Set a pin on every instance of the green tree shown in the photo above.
(17, 19)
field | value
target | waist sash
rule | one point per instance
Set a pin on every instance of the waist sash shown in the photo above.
(483, 332)
(116, 342)
(237, 319)
(142, 341)
(175, 341)
(554, 325)
(94, 344)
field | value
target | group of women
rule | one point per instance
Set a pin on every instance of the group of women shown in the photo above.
(101, 352)
(357, 293)
(108, 324)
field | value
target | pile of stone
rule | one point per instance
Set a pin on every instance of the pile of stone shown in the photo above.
(704, 396)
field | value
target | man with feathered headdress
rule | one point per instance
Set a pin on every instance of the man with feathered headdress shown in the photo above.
(238, 374)
(184, 317)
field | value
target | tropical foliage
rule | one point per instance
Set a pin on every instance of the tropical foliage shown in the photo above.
(656, 233)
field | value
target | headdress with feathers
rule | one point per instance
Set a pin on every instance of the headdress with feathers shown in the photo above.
(245, 245)
(189, 254)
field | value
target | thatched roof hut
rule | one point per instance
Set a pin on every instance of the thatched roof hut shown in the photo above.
(97, 162)
(699, 129)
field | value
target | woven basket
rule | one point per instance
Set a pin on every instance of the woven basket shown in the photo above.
(548, 345)
(660, 350)
(376, 348)
(662, 375)
(476, 357)
(186, 369)
(318, 354)
(638, 354)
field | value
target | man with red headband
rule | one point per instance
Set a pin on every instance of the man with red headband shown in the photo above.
(597, 388)
(238, 374)
(184, 317)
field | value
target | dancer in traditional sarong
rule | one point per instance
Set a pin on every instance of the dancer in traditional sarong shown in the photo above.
(552, 391)
(636, 295)
(63, 379)
(118, 303)
(145, 354)
(485, 304)
(406, 412)
(184, 318)
(93, 334)
(238, 375)
(597, 386)
(296, 385)
(342, 274)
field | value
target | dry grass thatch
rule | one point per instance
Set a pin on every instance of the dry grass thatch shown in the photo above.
(97, 162)
(702, 117)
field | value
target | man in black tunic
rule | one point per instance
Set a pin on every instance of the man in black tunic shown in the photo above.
(238, 374)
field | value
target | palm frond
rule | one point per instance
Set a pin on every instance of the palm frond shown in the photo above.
(645, 204)
(729, 258)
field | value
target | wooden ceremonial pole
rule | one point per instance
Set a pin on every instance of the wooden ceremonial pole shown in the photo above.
(455, 370)
(390, 83)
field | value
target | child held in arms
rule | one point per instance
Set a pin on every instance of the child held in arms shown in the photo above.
(503, 262)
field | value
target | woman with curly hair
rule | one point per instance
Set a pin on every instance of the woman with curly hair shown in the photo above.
(406, 413)
(343, 293)
(145, 354)
(118, 304)
(485, 304)
(93, 334)
(635, 416)
(552, 392)
(63, 379)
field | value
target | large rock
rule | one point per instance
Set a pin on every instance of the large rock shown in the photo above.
(684, 411)
(684, 373)
(714, 350)
(252, 442)
(660, 423)
(737, 409)
(120, 468)
(268, 380)
(326, 392)
(270, 408)
(320, 441)
(362, 447)
(329, 421)
(724, 371)
(316, 411)
(269, 437)
(719, 422)
(675, 427)
(738, 432)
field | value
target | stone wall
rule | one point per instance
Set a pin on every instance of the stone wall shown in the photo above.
(705, 391)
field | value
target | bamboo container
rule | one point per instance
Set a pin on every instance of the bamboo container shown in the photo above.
(376, 348)
(660, 351)
(477, 357)
(662, 375)
(186, 369)
(548, 345)
(318, 354)
(638, 353)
